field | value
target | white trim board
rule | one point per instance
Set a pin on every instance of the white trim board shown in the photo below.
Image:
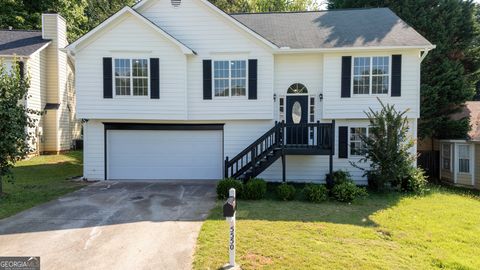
(128, 10)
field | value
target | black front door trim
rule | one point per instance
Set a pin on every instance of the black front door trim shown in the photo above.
(297, 135)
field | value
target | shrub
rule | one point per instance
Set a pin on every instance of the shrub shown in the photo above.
(416, 182)
(315, 193)
(348, 192)
(255, 189)
(286, 192)
(226, 184)
(387, 148)
(340, 177)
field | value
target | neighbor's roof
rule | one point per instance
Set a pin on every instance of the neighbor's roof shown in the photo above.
(374, 27)
(21, 42)
(470, 110)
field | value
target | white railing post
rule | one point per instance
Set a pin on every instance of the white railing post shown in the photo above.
(229, 212)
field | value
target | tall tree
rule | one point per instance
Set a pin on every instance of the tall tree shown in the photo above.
(236, 6)
(97, 11)
(81, 15)
(450, 71)
(14, 120)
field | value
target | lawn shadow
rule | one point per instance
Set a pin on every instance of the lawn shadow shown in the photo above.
(271, 209)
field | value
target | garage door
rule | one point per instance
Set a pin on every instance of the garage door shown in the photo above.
(164, 154)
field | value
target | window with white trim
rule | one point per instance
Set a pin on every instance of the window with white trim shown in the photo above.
(230, 78)
(357, 146)
(131, 77)
(281, 107)
(464, 158)
(371, 75)
(446, 156)
(311, 110)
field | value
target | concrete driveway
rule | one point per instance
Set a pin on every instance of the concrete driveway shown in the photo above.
(113, 225)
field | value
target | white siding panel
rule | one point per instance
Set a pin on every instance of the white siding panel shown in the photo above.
(306, 69)
(37, 94)
(131, 38)
(354, 107)
(214, 37)
(93, 151)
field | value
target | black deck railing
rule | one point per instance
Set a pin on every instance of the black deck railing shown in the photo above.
(282, 139)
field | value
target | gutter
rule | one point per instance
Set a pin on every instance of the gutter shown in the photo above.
(286, 50)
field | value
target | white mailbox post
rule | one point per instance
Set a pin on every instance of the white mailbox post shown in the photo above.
(229, 209)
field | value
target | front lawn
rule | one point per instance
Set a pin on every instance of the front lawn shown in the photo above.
(384, 231)
(40, 179)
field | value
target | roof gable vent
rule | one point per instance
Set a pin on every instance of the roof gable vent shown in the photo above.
(176, 3)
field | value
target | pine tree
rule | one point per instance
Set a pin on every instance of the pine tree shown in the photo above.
(450, 71)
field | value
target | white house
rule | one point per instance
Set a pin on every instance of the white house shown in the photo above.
(170, 89)
(51, 75)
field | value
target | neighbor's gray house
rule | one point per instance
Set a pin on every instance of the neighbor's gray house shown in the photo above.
(51, 75)
(460, 158)
(182, 90)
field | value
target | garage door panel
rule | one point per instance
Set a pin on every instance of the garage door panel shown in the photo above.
(149, 154)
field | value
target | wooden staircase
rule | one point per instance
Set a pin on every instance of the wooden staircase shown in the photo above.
(281, 140)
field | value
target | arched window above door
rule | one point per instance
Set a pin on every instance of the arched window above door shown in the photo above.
(297, 88)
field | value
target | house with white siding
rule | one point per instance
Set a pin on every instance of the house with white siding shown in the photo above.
(182, 90)
(51, 75)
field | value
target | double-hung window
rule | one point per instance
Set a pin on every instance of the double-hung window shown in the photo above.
(357, 146)
(463, 158)
(446, 156)
(371, 75)
(230, 78)
(131, 77)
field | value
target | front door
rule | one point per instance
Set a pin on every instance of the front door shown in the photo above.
(297, 113)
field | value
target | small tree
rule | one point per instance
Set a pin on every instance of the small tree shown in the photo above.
(387, 148)
(14, 120)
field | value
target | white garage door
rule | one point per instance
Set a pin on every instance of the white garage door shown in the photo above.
(154, 154)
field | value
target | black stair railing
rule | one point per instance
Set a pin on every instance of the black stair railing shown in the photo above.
(276, 142)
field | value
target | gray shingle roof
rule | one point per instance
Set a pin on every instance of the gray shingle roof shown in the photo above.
(20, 42)
(375, 27)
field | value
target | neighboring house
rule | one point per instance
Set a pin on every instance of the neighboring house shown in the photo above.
(170, 89)
(51, 75)
(460, 158)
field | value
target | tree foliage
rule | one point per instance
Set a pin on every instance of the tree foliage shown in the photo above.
(14, 120)
(81, 15)
(450, 71)
(238, 6)
(388, 146)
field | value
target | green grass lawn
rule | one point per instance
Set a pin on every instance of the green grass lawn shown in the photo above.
(385, 231)
(40, 179)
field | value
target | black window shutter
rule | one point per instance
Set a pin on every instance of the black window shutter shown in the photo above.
(342, 142)
(207, 79)
(21, 69)
(107, 78)
(252, 78)
(346, 76)
(154, 78)
(396, 75)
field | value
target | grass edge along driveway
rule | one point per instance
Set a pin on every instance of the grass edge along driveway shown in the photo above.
(41, 179)
(384, 231)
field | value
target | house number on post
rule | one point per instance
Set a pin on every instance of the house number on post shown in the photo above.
(229, 209)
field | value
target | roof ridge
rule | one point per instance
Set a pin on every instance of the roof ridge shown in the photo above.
(306, 11)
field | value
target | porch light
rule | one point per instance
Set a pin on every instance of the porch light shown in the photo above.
(320, 97)
(274, 97)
